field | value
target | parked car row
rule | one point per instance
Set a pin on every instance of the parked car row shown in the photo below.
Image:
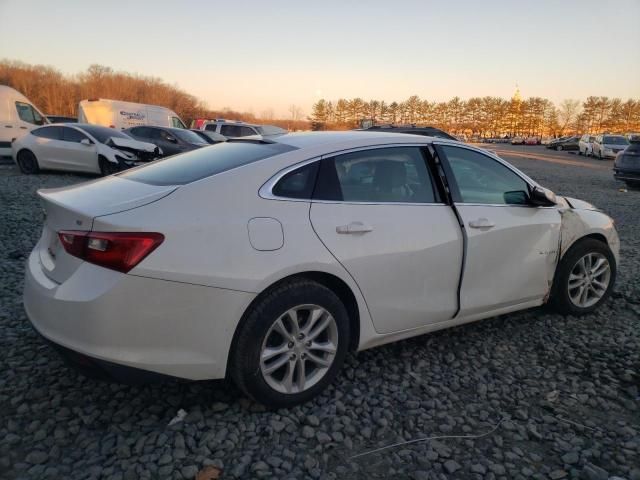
(81, 148)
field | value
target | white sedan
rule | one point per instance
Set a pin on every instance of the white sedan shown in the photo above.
(80, 147)
(266, 261)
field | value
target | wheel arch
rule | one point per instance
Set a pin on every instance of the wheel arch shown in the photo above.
(330, 281)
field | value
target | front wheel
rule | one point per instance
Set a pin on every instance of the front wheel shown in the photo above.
(559, 148)
(27, 162)
(584, 277)
(291, 344)
(106, 167)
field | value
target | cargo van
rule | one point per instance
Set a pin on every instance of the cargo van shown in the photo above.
(17, 117)
(121, 115)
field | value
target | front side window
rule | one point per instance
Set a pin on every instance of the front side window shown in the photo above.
(384, 175)
(483, 180)
(29, 114)
(143, 132)
(211, 127)
(246, 131)
(72, 135)
(177, 123)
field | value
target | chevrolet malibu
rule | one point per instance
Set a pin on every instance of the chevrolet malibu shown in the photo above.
(267, 261)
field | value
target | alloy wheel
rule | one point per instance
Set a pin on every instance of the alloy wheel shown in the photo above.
(589, 280)
(299, 348)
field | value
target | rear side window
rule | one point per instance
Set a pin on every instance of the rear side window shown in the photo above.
(51, 133)
(384, 175)
(197, 164)
(298, 183)
(210, 127)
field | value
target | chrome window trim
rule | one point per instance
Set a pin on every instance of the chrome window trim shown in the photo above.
(266, 190)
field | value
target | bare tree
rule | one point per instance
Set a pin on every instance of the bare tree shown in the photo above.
(296, 112)
(568, 113)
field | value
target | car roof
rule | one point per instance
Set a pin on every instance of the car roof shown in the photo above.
(354, 138)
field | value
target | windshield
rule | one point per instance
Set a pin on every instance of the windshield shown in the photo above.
(270, 130)
(615, 140)
(204, 162)
(189, 136)
(102, 134)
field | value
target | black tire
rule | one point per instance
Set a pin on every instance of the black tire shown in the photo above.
(27, 162)
(559, 148)
(560, 300)
(600, 155)
(106, 167)
(244, 358)
(633, 185)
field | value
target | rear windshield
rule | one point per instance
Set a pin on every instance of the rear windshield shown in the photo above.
(615, 141)
(189, 136)
(102, 134)
(205, 162)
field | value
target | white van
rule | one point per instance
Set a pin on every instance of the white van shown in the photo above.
(17, 117)
(121, 115)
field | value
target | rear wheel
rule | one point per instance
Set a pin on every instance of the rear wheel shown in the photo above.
(633, 185)
(107, 167)
(584, 277)
(559, 148)
(27, 162)
(291, 344)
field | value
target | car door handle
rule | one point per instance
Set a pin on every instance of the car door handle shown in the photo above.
(481, 223)
(354, 227)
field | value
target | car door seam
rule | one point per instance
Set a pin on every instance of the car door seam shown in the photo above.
(345, 269)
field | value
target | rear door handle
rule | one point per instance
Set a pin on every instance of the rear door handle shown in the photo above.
(354, 227)
(482, 223)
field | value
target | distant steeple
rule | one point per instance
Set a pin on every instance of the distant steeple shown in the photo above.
(516, 96)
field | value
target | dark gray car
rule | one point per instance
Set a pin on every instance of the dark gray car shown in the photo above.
(170, 140)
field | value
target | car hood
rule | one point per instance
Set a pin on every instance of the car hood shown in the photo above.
(126, 143)
(579, 204)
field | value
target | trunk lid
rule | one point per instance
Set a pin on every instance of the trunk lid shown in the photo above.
(75, 208)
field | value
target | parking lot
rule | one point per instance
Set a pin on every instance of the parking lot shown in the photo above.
(526, 395)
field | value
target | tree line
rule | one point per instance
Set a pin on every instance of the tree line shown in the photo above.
(55, 93)
(485, 116)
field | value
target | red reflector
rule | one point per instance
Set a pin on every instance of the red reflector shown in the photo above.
(119, 251)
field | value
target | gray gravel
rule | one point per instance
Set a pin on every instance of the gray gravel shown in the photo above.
(564, 391)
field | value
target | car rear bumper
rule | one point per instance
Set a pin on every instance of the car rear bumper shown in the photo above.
(627, 175)
(168, 328)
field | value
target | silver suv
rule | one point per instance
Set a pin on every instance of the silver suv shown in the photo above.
(237, 128)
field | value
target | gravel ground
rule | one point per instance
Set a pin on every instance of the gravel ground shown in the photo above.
(528, 395)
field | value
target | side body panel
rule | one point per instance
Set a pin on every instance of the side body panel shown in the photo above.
(510, 263)
(407, 266)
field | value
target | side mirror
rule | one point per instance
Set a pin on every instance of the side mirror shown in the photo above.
(85, 141)
(542, 197)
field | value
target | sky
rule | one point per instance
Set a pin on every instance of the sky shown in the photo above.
(260, 55)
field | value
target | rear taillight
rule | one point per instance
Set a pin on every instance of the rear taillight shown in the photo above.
(119, 251)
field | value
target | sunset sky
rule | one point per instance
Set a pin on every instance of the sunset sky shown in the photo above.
(255, 55)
